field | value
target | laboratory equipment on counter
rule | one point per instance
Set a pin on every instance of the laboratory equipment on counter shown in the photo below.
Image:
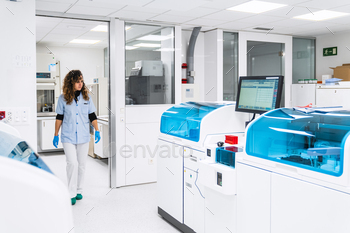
(32, 199)
(146, 83)
(45, 77)
(189, 133)
(295, 173)
(45, 95)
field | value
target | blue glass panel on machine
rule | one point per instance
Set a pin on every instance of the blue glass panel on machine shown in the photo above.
(311, 140)
(184, 120)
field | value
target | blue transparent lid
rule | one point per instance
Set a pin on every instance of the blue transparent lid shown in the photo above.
(312, 140)
(184, 120)
(14, 148)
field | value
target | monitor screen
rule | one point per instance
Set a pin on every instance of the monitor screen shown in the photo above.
(259, 94)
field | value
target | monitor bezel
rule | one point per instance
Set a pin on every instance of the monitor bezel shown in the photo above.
(279, 92)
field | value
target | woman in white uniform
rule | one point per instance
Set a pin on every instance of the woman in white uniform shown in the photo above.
(74, 110)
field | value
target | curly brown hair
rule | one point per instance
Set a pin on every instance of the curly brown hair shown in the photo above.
(71, 78)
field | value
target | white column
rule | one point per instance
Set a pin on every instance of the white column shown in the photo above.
(117, 102)
(213, 68)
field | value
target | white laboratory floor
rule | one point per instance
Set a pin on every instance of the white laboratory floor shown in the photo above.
(128, 209)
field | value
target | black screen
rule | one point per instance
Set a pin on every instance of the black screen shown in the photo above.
(259, 94)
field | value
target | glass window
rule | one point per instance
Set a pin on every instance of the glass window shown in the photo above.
(266, 58)
(230, 65)
(303, 59)
(149, 64)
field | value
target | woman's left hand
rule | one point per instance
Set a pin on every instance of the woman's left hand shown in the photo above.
(97, 136)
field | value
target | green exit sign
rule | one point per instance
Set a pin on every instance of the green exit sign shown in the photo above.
(330, 51)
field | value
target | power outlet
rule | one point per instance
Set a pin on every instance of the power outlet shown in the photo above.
(150, 161)
(9, 117)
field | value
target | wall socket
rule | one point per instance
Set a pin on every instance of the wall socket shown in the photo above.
(150, 161)
(15, 116)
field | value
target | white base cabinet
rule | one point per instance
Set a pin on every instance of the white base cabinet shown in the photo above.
(46, 131)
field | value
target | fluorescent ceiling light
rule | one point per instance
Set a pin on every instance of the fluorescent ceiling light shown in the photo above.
(130, 47)
(147, 45)
(256, 7)
(75, 27)
(100, 28)
(165, 50)
(321, 15)
(127, 28)
(79, 41)
(154, 38)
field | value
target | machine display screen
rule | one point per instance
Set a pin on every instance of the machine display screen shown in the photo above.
(259, 94)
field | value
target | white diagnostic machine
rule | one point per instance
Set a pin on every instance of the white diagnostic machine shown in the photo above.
(193, 185)
(32, 199)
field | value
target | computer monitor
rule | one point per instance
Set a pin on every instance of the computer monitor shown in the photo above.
(259, 94)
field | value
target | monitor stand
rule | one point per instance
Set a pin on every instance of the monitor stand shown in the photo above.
(247, 122)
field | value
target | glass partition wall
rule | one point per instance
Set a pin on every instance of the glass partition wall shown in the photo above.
(266, 58)
(303, 59)
(149, 64)
(230, 65)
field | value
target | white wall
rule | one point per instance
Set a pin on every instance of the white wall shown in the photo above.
(89, 60)
(340, 40)
(198, 58)
(18, 84)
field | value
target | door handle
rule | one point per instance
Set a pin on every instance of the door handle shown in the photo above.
(193, 158)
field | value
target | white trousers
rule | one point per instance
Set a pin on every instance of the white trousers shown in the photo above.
(76, 159)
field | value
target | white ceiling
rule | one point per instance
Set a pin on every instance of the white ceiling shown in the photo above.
(209, 14)
(59, 32)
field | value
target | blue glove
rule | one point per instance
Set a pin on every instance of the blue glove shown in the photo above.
(55, 141)
(97, 136)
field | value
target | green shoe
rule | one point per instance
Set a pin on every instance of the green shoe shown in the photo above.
(73, 200)
(79, 196)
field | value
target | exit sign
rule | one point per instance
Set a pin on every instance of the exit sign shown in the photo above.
(330, 51)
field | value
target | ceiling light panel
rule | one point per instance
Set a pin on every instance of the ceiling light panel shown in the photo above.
(80, 41)
(154, 38)
(321, 15)
(100, 28)
(256, 7)
(130, 47)
(147, 45)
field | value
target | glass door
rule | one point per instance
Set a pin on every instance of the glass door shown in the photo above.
(266, 58)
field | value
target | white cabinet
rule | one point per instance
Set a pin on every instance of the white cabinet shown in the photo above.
(193, 199)
(333, 96)
(320, 95)
(101, 148)
(98, 147)
(170, 179)
(303, 94)
(46, 131)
